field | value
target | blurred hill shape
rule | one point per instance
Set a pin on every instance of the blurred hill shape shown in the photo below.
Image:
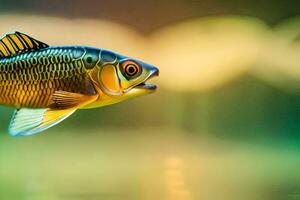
(200, 54)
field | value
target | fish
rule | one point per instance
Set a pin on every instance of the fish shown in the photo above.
(46, 84)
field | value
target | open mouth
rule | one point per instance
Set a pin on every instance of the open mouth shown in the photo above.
(147, 86)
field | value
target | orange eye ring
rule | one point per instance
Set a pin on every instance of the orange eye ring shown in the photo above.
(131, 69)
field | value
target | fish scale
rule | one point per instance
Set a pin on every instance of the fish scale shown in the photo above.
(38, 75)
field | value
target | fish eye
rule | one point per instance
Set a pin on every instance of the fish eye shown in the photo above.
(131, 69)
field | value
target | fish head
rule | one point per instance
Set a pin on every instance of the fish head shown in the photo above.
(133, 75)
(120, 77)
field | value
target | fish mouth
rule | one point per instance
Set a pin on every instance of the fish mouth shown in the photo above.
(147, 86)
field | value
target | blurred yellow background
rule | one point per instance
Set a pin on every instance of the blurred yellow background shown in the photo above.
(224, 124)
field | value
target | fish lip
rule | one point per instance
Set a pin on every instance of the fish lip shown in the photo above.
(146, 86)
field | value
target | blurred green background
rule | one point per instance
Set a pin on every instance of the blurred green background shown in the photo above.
(224, 124)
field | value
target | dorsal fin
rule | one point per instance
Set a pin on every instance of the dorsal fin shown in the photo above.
(15, 43)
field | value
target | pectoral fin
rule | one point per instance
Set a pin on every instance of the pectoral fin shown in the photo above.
(28, 121)
(63, 99)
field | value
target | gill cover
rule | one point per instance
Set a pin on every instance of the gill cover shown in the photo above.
(106, 78)
(109, 79)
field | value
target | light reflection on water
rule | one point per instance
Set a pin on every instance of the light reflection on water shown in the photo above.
(143, 165)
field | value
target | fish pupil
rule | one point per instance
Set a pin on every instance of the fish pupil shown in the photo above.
(131, 70)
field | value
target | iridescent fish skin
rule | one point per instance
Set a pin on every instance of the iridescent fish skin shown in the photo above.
(30, 79)
(47, 84)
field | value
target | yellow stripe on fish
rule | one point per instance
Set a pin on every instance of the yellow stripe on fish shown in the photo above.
(47, 84)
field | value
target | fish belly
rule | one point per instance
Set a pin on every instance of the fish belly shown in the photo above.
(37, 94)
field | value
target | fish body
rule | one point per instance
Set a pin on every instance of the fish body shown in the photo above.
(47, 84)
(30, 79)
